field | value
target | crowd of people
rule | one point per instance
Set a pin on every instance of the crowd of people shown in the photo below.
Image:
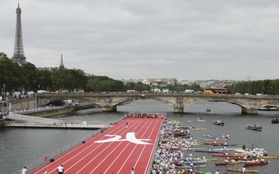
(166, 158)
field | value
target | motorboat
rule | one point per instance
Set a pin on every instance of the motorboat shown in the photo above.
(254, 127)
(275, 120)
(268, 108)
(218, 122)
(257, 151)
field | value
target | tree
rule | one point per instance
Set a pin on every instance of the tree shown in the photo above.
(44, 80)
(142, 87)
(11, 74)
(31, 75)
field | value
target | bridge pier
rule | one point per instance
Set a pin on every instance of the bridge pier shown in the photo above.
(178, 110)
(109, 109)
(249, 111)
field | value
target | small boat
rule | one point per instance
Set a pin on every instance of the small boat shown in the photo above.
(197, 128)
(267, 157)
(254, 127)
(227, 163)
(257, 151)
(181, 134)
(218, 122)
(210, 136)
(259, 163)
(208, 159)
(189, 167)
(240, 170)
(225, 155)
(268, 108)
(205, 172)
(224, 144)
(208, 110)
(195, 161)
(275, 120)
(201, 119)
(240, 158)
(207, 151)
(214, 143)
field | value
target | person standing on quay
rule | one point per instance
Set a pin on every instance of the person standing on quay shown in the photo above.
(60, 169)
(132, 171)
(45, 171)
(24, 170)
(126, 124)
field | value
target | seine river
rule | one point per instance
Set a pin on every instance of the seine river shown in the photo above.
(20, 147)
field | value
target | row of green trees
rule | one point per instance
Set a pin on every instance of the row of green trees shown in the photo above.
(14, 77)
(270, 87)
(27, 77)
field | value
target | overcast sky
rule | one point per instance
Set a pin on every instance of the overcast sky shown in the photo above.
(126, 39)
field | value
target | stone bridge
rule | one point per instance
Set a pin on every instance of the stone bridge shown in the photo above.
(109, 102)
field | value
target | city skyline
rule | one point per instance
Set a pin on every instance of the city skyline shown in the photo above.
(139, 40)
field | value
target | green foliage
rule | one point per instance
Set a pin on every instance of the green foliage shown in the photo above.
(11, 74)
(30, 73)
(142, 87)
(270, 87)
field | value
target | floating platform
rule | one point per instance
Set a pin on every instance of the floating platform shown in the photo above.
(131, 143)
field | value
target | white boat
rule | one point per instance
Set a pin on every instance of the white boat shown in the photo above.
(257, 151)
(268, 108)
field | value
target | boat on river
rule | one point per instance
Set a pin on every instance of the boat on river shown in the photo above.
(268, 108)
(257, 151)
(195, 162)
(275, 120)
(210, 136)
(227, 155)
(218, 123)
(240, 170)
(201, 119)
(258, 163)
(208, 151)
(214, 143)
(197, 128)
(189, 167)
(254, 127)
(181, 134)
(227, 163)
(208, 159)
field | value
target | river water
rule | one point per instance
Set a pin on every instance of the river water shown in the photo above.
(20, 147)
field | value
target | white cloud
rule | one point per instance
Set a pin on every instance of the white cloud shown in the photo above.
(149, 39)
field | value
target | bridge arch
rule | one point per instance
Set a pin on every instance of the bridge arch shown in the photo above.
(109, 102)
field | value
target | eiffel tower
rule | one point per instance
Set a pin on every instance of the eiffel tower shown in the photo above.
(18, 49)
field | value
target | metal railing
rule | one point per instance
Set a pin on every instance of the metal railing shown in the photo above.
(26, 118)
(50, 125)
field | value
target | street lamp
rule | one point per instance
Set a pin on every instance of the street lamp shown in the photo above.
(3, 93)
